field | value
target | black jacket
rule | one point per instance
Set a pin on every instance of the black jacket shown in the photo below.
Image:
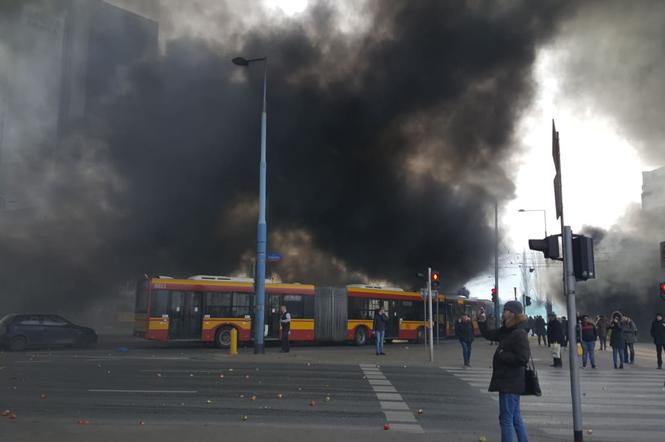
(616, 339)
(380, 322)
(464, 331)
(540, 325)
(554, 332)
(510, 357)
(658, 332)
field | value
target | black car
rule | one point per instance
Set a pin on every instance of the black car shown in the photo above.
(19, 331)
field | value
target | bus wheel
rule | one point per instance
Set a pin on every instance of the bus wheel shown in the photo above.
(18, 343)
(420, 335)
(361, 336)
(223, 337)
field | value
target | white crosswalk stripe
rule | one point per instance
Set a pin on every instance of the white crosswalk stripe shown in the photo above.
(626, 405)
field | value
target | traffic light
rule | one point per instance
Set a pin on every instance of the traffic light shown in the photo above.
(494, 297)
(549, 246)
(527, 301)
(436, 279)
(662, 290)
(583, 262)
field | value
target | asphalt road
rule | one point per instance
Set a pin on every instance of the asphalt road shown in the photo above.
(191, 393)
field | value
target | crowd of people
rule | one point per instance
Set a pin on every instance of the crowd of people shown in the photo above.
(619, 329)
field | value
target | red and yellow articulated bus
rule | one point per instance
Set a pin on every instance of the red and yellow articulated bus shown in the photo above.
(207, 308)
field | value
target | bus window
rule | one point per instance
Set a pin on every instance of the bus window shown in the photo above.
(218, 305)
(375, 304)
(160, 303)
(294, 305)
(142, 296)
(240, 305)
(412, 310)
(357, 308)
(308, 305)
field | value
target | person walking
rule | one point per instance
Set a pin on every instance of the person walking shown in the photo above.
(658, 335)
(601, 327)
(588, 334)
(564, 332)
(508, 367)
(379, 326)
(464, 332)
(285, 322)
(630, 337)
(555, 339)
(540, 330)
(617, 341)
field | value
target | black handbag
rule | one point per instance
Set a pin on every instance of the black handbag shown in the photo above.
(531, 384)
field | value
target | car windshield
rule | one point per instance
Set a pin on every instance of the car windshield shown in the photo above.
(5, 319)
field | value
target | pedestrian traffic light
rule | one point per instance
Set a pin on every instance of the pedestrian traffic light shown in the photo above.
(662, 290)
(583, 262)
(494, 297)
(436, 279)
(527, 300)
(549, 246)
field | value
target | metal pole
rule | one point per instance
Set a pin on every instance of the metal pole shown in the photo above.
(496, 263)
(261, 244)
(438, 319)
(429, 296)
(569, 283)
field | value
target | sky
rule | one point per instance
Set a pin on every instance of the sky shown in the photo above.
(393, 127)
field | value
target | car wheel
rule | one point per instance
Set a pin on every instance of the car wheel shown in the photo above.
(18, 343)
(361, 336)
(223, 337)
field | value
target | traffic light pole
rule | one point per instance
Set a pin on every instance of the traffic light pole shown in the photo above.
(569, 286)
(429, 303)
(496, 264)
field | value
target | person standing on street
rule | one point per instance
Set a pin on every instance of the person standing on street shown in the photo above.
(508, 367)
(555, 339)
(617, 340)
(588, 336)
(601, 327)
(629, 336)
(285, 322)
(658, 335)
(540, 329)
(464, 332)
(564, 332)
(380, 322)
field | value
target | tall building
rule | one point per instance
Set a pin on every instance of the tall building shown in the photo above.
(653, 190)
(59, 61)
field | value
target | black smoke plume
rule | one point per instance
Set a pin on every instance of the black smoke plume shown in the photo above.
(386, 150)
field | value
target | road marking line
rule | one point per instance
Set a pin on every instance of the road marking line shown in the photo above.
(379, 382)
(393, 405)
(101, 390)
(409, 428)
(399, 416)
(389, 396)
(384, 389)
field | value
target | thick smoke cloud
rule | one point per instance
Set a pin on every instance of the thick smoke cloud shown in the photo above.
(386, 152)
(611, 62)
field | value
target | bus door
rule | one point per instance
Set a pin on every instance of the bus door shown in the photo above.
(273, 316)
(392, 328)
(185, 315)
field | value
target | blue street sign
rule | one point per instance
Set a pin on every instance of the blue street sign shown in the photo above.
(273, 257)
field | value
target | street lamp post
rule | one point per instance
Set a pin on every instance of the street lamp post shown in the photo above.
(548, 301)
(262, 229)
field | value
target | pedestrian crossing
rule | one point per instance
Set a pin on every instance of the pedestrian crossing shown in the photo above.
(397, 412)
(617, 405)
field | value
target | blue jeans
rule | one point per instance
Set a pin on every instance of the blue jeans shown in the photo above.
(466, 352)
(617, 353)
(588, 352)
(510, 418)
(379, 340)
